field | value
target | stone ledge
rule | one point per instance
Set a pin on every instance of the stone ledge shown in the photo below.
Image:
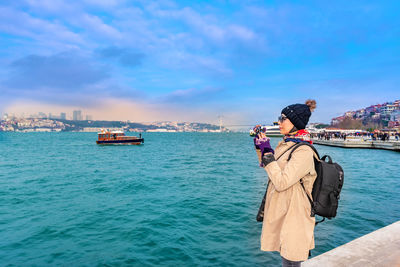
(379, 248)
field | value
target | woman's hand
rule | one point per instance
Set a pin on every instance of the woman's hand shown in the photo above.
(260, 137)
(262, 142)
(264, 145)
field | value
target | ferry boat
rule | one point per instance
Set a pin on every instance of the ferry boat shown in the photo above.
(118, 138)
(273, 130)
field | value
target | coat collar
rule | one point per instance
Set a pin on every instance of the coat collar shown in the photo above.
(287, 144)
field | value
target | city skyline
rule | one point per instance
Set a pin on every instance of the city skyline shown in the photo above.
(184, 61)
(74, 115)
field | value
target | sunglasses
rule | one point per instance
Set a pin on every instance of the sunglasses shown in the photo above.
(282, 118)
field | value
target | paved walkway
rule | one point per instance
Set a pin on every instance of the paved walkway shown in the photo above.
(379, 248)
(358, 143)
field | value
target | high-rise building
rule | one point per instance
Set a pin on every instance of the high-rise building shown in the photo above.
(63, 116)
(77, 115)
(89, 117)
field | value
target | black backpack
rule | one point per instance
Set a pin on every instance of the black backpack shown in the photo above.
(327, 185)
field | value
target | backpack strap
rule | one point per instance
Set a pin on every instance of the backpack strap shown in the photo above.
(286, 151)
(316, 155)
(277, 159)
(303, 144)
(309, 199)
(312, 205)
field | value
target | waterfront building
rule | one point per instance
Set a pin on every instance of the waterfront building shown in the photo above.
(349, 114)
(161, 130)
(337, 120)
(43, 130)
(376, 115)
(388, 109)
(394, 119)
(92, 129)
(393, 124)
(360, 113)
(395, 116)
(63, 116)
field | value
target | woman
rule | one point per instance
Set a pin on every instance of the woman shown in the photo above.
(287, 225)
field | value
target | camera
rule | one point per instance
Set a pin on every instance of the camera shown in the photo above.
(258, 129)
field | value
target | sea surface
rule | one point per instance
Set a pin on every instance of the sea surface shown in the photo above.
(181, 199)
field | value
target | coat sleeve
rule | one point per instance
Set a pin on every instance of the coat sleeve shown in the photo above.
(297, 167)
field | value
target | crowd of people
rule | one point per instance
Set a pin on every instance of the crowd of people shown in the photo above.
(382, 136)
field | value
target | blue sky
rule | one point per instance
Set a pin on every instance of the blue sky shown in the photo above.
(197, 60)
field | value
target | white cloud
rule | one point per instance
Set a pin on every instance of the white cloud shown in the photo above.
(209, 26)
(95, 24)
(241, 33)
(22, 24)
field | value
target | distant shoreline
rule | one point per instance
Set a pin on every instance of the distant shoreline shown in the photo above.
(58, 125)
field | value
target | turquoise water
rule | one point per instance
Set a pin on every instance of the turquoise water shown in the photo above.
(181, 199)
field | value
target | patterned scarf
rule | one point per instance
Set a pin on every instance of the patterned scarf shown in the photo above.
(298, 136)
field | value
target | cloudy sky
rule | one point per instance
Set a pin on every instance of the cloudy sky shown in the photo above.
(197, 60)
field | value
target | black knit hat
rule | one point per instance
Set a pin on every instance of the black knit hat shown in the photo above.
(298, 114)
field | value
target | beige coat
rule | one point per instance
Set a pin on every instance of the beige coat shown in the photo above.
(287, 226)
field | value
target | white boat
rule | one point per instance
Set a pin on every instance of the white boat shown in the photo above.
(273, 130)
